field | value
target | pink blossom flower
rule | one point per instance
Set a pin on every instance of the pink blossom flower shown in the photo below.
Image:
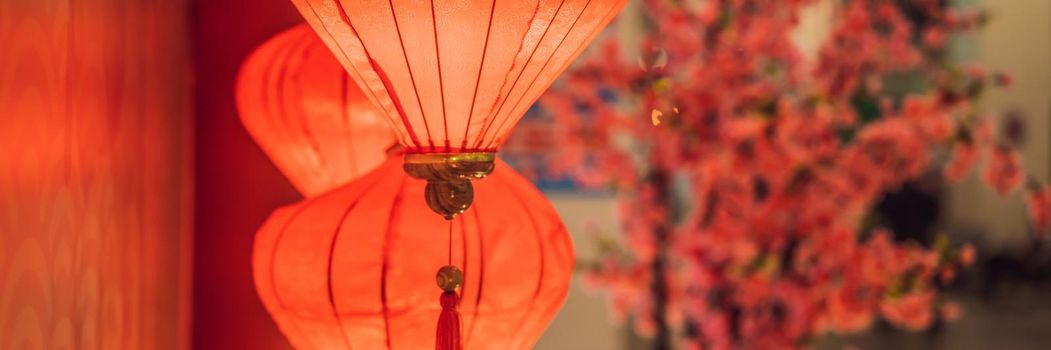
(1003, 173)
(935, 37)
(1039, 203)
(964, 156)
(1004, 80)
(975, 71)
(912, 311)
(755, 187)
(967, 255)
(849, 313)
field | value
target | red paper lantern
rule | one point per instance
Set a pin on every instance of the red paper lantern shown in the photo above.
(456, 76)
(306, 113)
(344, 270)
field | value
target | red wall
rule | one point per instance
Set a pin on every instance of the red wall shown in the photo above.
(94, 174)
(237, 187)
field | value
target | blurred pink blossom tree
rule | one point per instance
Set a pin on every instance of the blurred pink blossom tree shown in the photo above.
(747, 174)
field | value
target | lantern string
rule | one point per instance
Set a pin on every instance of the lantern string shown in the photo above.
(450, 242)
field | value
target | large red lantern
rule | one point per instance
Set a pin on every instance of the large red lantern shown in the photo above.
(344, 270)
(306, 113)
(455, 77)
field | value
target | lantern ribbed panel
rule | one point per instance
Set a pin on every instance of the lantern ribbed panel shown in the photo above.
(457, 75)
(307, 115)
(354, 268)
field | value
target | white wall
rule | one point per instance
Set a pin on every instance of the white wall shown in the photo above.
(1017, 40)
(584, 321)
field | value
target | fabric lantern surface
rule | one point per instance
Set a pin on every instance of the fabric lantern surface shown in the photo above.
(456, 76)
(309, 117)
(344, 270)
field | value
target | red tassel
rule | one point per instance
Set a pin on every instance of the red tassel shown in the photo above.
(449, 323)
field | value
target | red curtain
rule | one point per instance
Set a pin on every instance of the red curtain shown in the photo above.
(95, 175)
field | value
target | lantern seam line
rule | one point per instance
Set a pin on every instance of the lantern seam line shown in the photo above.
(271, 94)
(395, 206)
(493, 115)
(478, 79)
(342, 52)
(382, 76)
(331, 261)
(273, 258)
(346, 19)
(392, 95)
(481, 274)
(540, 243)
(539, 73)
(603, 23)
(412, 77)
(285, 76)
(441, 82)
(277, 243)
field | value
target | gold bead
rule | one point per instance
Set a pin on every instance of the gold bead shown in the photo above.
(449, 278)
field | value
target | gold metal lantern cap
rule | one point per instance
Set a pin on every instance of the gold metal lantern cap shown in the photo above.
(449, 191)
